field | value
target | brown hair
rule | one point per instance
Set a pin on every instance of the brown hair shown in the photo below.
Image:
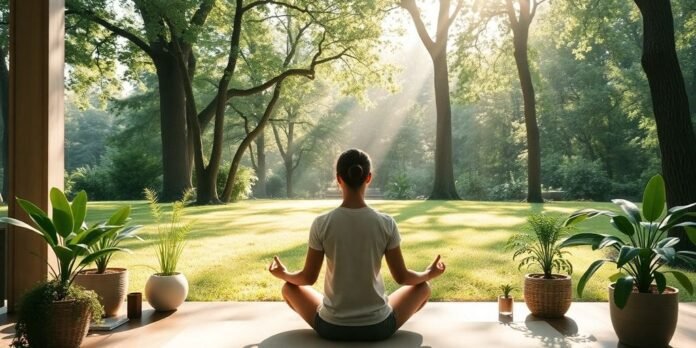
(353, 166)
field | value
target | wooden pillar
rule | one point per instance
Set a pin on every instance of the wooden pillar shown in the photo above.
(36, 129)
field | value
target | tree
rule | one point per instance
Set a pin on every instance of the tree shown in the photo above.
(670, 105)
(443, 185)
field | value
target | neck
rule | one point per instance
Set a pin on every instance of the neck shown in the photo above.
(353, 199)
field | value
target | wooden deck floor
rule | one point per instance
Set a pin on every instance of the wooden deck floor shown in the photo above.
(451, 324)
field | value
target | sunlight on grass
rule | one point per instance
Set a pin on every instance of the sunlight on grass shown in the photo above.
(231, 246)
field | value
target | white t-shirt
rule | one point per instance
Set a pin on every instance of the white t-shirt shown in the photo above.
(354, 241)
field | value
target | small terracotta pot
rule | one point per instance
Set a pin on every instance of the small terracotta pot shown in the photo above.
(648, 319)
(505, 305)
(166, 293)
(111, 287)
(548, 298)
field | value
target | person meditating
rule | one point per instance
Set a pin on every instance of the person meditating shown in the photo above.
(354, 237)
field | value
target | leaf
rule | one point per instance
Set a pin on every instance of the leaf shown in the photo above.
(39, 217)
(120, 216)
(62, 213)
(622, 224)
(622, 290)
(626, 254)
(654, 198)
(588, 274)
(660, 281)
(691, 233)
(681, 208)
(95, 255)
(609, 241)
(683, 280)
(24, 225)
(631, 210)
(583, 239)
(79, 210)
(668, 242)
(583, 214)
(615, 276)
(667, 254)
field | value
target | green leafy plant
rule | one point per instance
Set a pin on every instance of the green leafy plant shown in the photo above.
(114, 237)
(506, 289)
(644, 246)
(399, 187)
(540, 245)
(34, 317)
(171, 236)
(74, 244)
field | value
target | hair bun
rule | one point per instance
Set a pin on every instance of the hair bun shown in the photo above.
(355, 172)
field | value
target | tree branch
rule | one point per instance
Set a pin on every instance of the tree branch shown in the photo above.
(412, 8)
(456, 12)
(135, 39)
(511, 14)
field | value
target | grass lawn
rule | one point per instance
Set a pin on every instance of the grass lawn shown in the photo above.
(231, 246)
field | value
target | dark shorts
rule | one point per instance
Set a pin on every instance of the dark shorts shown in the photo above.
(375, 332)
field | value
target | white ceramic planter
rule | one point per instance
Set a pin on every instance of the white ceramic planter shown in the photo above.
(166, 293)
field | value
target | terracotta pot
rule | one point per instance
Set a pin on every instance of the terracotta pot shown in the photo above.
(111, 286)
(505, 305)
(648, 319)
(68, 324)
(166, 293)
(548, 298)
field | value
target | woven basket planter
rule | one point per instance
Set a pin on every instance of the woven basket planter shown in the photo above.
(548, 298)
(68, 326)
(111, 287)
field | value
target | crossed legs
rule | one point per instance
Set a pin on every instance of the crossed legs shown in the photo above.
(405, 301)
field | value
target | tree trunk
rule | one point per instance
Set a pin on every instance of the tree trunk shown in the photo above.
(670, 105)
(443, 186)
(521, 35)
(176, 170)
(4, 110)
(260, 187)
(289, 170)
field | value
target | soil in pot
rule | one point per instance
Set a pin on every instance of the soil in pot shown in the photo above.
(548, 298)
(111, 287)
(648, 319)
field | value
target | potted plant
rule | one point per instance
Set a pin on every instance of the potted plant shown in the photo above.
(57, 313)
(111, 284)
(505, 301)
(167, 289)
(643, 308)
(547, 294)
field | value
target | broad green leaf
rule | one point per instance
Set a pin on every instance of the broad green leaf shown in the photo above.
(654, 198)
(681, 208)
(79, 210)
(120, 216)
(631, 210)
(660, 281)
(583, 239)
(39, 217)
(95, 255)
(687, 253)
(608, 241)
(622, 290)
(683, 280)
(24, 225)
(668, 242)
(65, 255)
(691, 233)
(622, 224)
(626, 254)
(667, 254)
(62, 213)
(588, 274)
(583, 214)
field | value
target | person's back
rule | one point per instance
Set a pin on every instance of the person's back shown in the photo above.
(354, 242)
(354, 237)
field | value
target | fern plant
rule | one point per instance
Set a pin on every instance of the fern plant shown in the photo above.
(171, 234)
(506, 289)
(539, 245)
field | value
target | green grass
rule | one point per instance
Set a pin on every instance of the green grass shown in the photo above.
(231, 246)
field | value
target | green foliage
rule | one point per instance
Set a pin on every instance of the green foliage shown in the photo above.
(130, 170)
(399, 187)
(540, 245)
(583, 179)
(243, 182)
(34, 319)
(506, 289)
(472, 187)
(514, 189)
(94, 180)
(72, 241)
(171, 232)
(643, 248)
(115, 236)
(275, 186)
